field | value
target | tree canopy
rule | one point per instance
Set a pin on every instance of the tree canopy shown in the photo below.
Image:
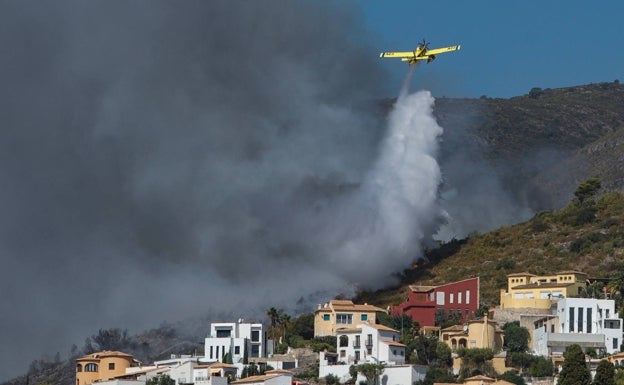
(587, 189)
(516, 337)
(160, 380)
(605, 374)
(575, 370)
(368, 370)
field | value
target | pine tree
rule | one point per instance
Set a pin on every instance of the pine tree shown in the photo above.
(605, 373)
(575, 370)
(245, 353)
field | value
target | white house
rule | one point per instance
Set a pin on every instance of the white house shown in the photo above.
(369, 343)
(271, 377)
(588, 322)
(213, 374)
(182, 373)
(232, 338)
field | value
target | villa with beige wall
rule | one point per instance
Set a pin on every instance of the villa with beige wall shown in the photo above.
(481, 333)
(341, 314)
(526, 290)
(102, 366)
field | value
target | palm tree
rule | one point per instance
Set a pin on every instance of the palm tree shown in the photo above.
(594, 290)
(616, 287)
(284, 322)
(274, 315)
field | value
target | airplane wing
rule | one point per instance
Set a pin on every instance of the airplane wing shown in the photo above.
(397, 54)
(436, 51)
(421, 53)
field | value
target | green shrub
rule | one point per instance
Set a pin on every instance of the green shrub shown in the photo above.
(332, 379)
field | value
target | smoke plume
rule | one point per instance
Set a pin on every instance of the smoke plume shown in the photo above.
(161, 160)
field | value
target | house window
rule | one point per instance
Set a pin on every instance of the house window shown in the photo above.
(459, 297)
(79, 368)
(357, 355)
(440, 298)
(255, 351)
(211, 352)
(236, 349)
(111, 366)
(343, 353)
(325, 317)
(91, 368)
(613, 324)
(344, 318)
(571, 320)
(615, 343)
(369, 340)
(451, 297)
(344, 340)
(356, 344)
(579, 328)
(255, 335)
(223, 333)
(589, 320)
(364, 317)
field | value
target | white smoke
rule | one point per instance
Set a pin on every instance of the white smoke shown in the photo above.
(381, 227)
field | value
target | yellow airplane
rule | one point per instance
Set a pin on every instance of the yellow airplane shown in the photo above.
(422, 52)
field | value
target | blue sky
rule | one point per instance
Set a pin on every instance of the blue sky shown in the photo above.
(508, 47)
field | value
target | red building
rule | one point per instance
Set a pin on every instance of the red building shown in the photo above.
(423, 302)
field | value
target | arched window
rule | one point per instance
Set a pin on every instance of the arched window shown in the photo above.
(344, 340)
(79, 367)
(462, 342)
(91, 367)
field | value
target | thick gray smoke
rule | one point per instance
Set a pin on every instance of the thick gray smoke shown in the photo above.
(167, 159)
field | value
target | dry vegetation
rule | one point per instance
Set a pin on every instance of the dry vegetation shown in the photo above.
(587, 237)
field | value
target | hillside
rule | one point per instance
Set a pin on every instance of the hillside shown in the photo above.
(541, 146)
(602, 158)
(587, 237)
(526, 139)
